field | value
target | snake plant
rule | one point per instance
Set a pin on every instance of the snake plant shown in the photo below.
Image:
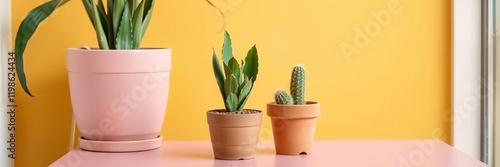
(119, 24)
(235, 83)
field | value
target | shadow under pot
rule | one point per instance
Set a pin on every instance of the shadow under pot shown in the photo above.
(293, 127)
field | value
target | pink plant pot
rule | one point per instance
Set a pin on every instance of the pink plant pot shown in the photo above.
(119, 95)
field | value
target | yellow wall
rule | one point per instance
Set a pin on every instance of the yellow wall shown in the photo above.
(397, 86)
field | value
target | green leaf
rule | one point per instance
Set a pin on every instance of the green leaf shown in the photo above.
(233, 68)
(118, 8)
(244, 90)
(101, 35)
(99, 21)
(233, 65)
(90, 10)
(110, 10)
(244, 93)
(148, 12)
(133, 4)
(227, 50)
(251, 65)
(111, 32)
(25, 32)
(137, 25)
(124, 38)
(232, 102)
(136, 3)
(104, 20)
(148, 7)
(230, 85)
(100, 5)
(242, 65)
(219, 76)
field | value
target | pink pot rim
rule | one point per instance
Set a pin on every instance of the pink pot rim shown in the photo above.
(119, 61)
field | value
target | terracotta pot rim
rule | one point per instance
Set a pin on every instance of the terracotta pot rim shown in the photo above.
(234, 120)
(210, 112)
(308, 103)
(310, 110)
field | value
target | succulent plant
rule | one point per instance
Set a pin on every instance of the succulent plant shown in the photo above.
(235, 83)
(297, 89)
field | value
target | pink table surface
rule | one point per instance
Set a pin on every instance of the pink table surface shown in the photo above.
(327, 153)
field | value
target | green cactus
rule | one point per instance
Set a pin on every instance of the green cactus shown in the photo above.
(282, 97)
(298, 85)
(297, 89)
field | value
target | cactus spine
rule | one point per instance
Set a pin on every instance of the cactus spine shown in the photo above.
(282, 97)
(298, 85)
(297, 89)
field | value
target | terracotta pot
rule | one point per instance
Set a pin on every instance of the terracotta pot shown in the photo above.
(293, 127)
(119, 95)
(234, 136)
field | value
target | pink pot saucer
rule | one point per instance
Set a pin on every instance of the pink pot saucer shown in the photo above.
(120, 146)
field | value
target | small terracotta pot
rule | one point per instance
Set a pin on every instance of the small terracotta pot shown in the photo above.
(293, 127)
(234, 136)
